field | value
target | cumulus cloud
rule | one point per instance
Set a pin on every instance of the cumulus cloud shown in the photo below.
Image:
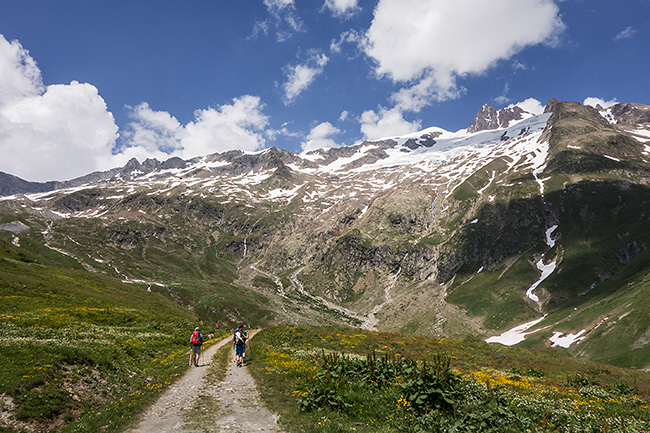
(321, 137)
(64, 131)
(599, 101)
(299, 77)
(49, 133)
(20, 75)
(240, 125)
(153, 131)
(386, 123)
(342, 8)
(429, 44)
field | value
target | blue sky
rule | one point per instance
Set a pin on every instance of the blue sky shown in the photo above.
(87, 85)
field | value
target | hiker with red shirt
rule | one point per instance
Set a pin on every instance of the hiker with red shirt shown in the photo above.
(196, 341)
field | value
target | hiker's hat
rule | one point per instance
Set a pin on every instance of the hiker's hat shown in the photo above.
(196, 329)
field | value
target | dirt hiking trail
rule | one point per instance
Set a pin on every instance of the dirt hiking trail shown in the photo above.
(195, 404)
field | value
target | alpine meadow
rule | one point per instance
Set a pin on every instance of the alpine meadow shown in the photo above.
(493, 279)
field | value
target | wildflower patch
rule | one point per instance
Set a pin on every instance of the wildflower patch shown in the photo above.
(406, 384)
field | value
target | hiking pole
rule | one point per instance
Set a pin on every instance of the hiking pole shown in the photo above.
(191, 354)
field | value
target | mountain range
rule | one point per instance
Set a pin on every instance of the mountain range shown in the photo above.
(528, 229)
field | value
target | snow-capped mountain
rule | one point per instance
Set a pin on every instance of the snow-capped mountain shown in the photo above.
(519, 219)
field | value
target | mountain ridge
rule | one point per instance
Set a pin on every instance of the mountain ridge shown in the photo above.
(487, 118)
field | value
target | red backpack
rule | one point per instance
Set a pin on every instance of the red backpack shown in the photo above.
(196, 339)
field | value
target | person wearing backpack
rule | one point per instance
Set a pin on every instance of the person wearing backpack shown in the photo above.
(196, 341)
(239, 344)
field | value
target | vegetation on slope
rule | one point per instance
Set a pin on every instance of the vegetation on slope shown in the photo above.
(346, 380)
(79, 351)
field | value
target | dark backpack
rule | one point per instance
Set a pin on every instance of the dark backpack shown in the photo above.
(196, 339)
(240, 337)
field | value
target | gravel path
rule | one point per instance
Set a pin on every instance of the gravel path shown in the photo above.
(193, 404)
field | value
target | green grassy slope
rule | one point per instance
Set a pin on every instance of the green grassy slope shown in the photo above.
(81, 351)
(346, 380)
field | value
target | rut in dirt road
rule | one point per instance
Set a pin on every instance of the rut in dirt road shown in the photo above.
(194, 404)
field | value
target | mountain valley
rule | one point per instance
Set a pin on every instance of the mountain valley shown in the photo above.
(541, 220)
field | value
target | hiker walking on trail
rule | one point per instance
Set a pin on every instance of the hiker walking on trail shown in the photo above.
(239, 344)
(196, 341)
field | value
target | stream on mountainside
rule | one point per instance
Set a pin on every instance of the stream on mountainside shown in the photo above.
(371, 321)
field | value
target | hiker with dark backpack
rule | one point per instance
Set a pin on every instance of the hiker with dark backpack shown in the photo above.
(239, 344)
(196, 341)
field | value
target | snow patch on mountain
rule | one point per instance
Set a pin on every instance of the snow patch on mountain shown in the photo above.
(642, 135)
(517, 334)
(565, 341)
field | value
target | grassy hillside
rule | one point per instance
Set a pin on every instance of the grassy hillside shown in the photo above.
(186, 252)
(616, 314)
(346, 380)
(80, 351)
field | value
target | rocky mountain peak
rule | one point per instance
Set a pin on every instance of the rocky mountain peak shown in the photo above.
(631, 114)
(550, 105)
(488, 118)
(133, 164)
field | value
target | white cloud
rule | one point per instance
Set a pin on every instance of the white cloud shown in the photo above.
(60, 134)
(20, 77)
(284, 131)
(432, 87)
(240, 125)
(625, 34)
(598, 101)
(344, 116)
(278, 4)
(342, 8)
(503, 98)
(320, 137)
(64, 131)
(236, 126)
(429, 44)
(386, 123)
(299, 77)
(351, 37)
(153, 130)
(49, 133)
(518, 66)
(283, 19)
(531, 105)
